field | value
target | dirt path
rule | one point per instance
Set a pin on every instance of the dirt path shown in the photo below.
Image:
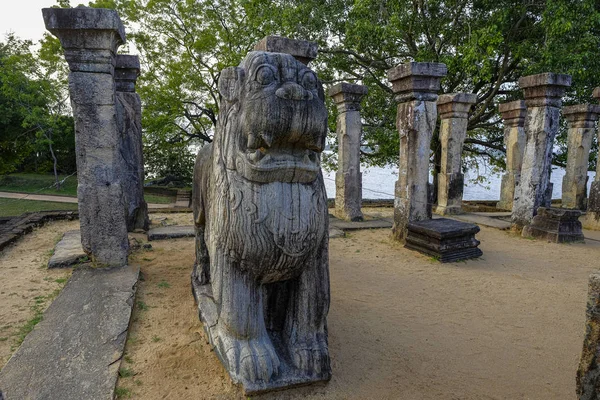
(26, 285)
(401, 326)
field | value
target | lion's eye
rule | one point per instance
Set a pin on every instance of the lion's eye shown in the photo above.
(309, 81)
(265, 75)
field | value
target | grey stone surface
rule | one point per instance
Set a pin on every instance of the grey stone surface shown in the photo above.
(90, 38)
(581, 119)
(129, 117)
(348, 178)
(184, 198)
(261, 276)
(74, 353)
(543, 94)
(443, 238)
(416, 86)
(453, 110)
(68, 251)
(513, 115)
(591, 220)
(588, 373)
(492, 220)
(303, 50)
(556, 225)
(171, 232)
(356, 225)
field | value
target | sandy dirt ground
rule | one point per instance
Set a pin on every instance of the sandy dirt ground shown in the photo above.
(401, 326)
(27, 286)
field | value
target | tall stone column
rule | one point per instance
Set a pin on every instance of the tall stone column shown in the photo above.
(415, 85)
(454, 110)
(90, 38)
(581, 120)
(129, 113)
(543, 94)
(591, 219)
(513, 115)
(348, 179)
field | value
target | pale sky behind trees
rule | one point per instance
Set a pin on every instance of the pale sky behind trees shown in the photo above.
(23, 18)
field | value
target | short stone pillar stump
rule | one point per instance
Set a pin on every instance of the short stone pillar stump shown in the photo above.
(556, 225)
(183, 199)
(445, 239)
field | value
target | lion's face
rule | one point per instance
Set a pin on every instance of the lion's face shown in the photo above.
(280, 119)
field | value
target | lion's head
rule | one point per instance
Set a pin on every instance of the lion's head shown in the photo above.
(274, 119)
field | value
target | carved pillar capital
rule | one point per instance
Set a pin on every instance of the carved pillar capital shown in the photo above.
(347, 96)
(455, 105)
(127, 70)
(581, 115)
(417, 80)
(302, 50)
(513, 113)
(544, 89)
(89, 36)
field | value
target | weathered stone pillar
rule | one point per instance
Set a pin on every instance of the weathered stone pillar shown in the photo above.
(90, 37)
(588, 373)
(513, 114)
(129, 113)
(543, 94)
(348, 179)
(582, 120)
(591, 219)
(454, 110)
(415, 85)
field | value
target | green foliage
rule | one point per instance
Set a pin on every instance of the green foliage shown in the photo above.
(486, 44)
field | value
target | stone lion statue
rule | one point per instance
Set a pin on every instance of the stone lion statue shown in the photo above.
(261, 277)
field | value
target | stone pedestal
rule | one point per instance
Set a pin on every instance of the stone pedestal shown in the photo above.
(129, 113)
(348, 179)
(445, 239)
(90, 38)
(588, 376)
(302, 50)
(543, 94)
(581, 119)
(513, 116)
(454, 114)
(416, 86)
(556, 225)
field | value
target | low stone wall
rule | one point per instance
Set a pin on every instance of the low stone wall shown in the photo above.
(13, 228)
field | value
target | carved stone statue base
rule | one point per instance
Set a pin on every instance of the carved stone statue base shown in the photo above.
(288, 376)
(446, 239)
(555, 225)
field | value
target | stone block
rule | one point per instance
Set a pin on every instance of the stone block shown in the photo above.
(555, 225)
(455, 105)
(588, 373)
(171, 232)
(303, 50)
(445, 239)
(513, 113)
(127, 70)
(544, 89)
(68, 251)
(347, 96)
(417, 80)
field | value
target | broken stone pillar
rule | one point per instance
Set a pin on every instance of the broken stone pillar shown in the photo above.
(415, 86)
(129, 113)
(513, 115)
(556, 225)
(90, 37)
(348, 179)
(588, 373)
(454, 110)
(543, 94)
(591, 219)
(581, 119)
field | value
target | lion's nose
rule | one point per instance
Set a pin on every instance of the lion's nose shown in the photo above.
(293, 91)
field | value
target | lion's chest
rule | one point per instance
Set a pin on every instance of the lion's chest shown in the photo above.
(271, 230)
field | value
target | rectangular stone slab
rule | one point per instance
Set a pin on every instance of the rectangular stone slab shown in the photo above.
(171, 232)
(74, 353)
(68, 251)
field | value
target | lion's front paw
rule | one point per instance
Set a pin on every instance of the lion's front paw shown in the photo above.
(311, 356)
(253, 360)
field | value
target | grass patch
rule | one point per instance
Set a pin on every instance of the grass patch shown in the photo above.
(39, 184)
(60, 280)
(16, 207)
(122, 393)
(156, 339)
(163, 284)
(157, 199)
(142, 306)
(126, 372)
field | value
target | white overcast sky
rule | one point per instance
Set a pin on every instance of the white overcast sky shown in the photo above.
(24, 18)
